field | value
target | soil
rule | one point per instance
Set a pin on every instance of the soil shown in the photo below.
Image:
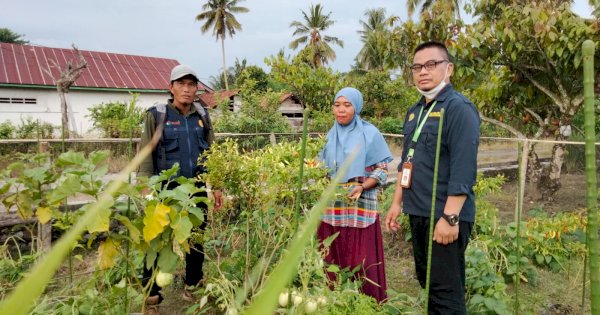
(571, 196)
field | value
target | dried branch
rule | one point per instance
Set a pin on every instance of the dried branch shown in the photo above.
(500, 124)
(555, 98)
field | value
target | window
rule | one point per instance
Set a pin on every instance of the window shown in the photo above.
(17, 100)
(292, 115)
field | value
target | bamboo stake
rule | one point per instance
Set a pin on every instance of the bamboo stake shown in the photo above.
(302, 156)
(432, 214)
(524, 151)
(590, 168)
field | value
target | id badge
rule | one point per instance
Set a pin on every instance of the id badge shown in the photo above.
(407, 168)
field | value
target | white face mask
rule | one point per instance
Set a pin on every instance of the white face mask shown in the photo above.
(431, 94)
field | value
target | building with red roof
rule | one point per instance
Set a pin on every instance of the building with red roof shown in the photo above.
(28, 73)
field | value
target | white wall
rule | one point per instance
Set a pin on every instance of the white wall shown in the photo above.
(47, 108)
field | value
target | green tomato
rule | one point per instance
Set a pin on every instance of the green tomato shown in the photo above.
(297, 299)
(164, 279)
(322, 301)
(310, 307)
(284, 298)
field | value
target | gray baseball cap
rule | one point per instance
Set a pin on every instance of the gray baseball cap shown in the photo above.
(181, 71)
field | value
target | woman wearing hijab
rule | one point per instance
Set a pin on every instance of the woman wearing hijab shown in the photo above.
(355, 215)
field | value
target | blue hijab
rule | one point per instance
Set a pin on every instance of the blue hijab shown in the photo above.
(357, 135)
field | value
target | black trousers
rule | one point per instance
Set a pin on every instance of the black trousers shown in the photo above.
(193, 261)
(447, 277)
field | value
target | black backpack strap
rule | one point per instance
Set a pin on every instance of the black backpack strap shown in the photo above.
(209, 134)
(159, 111)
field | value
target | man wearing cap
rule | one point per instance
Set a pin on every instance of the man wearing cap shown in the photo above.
(186, 134)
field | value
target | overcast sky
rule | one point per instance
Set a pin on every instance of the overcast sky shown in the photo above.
(167, 28)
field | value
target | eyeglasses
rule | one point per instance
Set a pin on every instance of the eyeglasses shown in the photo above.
(429, 65)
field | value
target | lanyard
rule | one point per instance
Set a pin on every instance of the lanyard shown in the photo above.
(420, 124)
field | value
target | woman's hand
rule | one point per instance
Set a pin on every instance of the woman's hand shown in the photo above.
(356, 192)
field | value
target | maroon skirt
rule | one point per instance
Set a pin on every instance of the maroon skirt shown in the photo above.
(358, 246)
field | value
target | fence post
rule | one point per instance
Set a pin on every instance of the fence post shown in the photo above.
(44, 231)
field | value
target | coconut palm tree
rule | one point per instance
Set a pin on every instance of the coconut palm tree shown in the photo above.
(375, 35)
(310, 31)
(218, 15)
(453, 5)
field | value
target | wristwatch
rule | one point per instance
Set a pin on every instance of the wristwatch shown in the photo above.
(452, 219)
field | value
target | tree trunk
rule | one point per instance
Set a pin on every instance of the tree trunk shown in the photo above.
(534, 166)
(64, 113)
(44, 231)
(224, 66)
(549, 182)
(68, 75)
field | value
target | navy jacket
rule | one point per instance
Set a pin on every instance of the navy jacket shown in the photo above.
(183, 141)
(457, 170)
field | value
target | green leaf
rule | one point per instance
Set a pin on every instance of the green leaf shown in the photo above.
(151, 255)
(127, 189)
(24, 202)
(71, 158)
(134, 232)
(38, 174)
(182, 226)
(102, 221)
(539, 259)
(4, 188)
(327, 242)
(100, 171)
(98, 157)
(167, 260)
(333, 268)
(68, 187)
(577, 60)
(198, 215)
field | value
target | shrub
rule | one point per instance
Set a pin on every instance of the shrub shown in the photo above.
(390, 125)
(259, 114)
(114, 119)
(7, 130)
(255, 73)
(33, 129)
(320, 121)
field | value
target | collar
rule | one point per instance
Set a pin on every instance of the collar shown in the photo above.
(440, 97)
(170, 104)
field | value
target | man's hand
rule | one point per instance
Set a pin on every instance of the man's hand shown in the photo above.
(391, 219)
(218, 196)
(444, 233)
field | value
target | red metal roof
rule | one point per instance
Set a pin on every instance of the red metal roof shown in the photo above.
(211, 99)
(24, 64)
